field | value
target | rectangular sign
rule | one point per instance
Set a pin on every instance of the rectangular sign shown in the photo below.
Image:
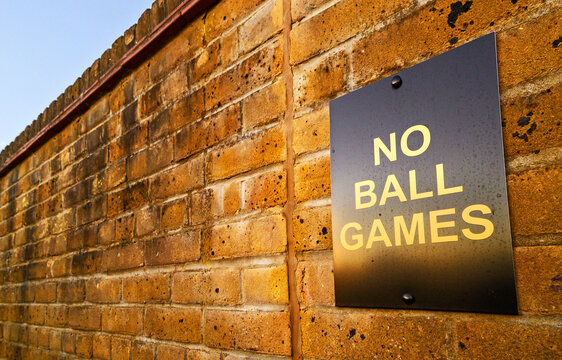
(419, 199)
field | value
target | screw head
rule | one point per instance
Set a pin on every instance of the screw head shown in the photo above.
(408, 298)
(396, 82)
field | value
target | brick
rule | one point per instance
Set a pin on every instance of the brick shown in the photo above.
(84, 317)
(229, 47)
(71, 291)
(174, 214)
(101, 346)
(206, 355)
(168, 59)
(121, 95)
(86, 262)
(152, 159)
(312, 131)
(123, 256)
(124, 228)
(58, 267)
(250, 73)
(205, 133)
(186, 176)
(173, 249)
(92, 164)
(46, 293)
(300, 8)
(132, 141)
(205, 63)
(255, 151)
(261, 25)
(218, 287)
(96, 113)
(312, 228)
(103, 290)
(56, 315)
(225, 14)
(517, 49)
(142, 351)
(264, 105)
(147, 220)
(315, 282)
(312, 179)
(429, 32)
(245, 238)
(508, 340)
(122, 320)
(231, 198)
(337, 24)
(68, 342)
(205, 205)
(538, 279)
(170, 323)
(532, 201)
(531, 122)
(97, 138)
(174, 85)
(129, 198)
(321, 80)
(147, 288)
(84, 345)
(352, 334)
(187, 110)
(159, 126)
(63, 222)
(55, 340)
(120, 349)
(169, 352)
(229, 329)
(266, 285)
(36, 314)
(106, 232)
(150, 101)
(263, 191)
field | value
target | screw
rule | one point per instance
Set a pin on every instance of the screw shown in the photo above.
(396, 82)
(408, 298)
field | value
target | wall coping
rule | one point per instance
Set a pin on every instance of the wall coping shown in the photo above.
(156, 25)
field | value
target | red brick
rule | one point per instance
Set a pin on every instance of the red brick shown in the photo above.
(123, 256)
(255, 151)
(122, 320)
(245, 238)
(173, 249)
(229, 329)
(147, 288)
(170, 323)
(354, 334)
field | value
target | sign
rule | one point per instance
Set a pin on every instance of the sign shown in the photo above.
(419, 199)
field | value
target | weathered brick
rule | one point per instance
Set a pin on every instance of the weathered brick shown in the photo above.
(147, 288)
(84, 317)
(205, 133)
(218, 287)
(103, 290)
(55, 340)
(312, 228)
(205, 63)
(267, 21)
(315, 282)
(150, 101)
(36, 314)
(92, 164)
(229, 47)
(86, 262)
(84, 345)
(63, 222)
(133, 140)
(245, 238)
(123, 256)
(142, 351)
(170, 323)
(352, 334)
(121, 95)
(56, 315)
(321, 80)
(71, 291)
(169, 352)
(186, 176)
(122, 320)
(300, 8)
(129, 198)
(101, 346)
(264, 105)
(174, 214)
(120, 348)
(205, 205)
(106, 232)
(337, 24)
(268, 285)
(46, 293)
(531, 123)
(177, 248)
(147, 220)
(312, 179)
(208, 355)
(187, 110)
(533, 201)
(68, 342)
(225, 14)
(312, 131)
(266, 190)
(508, 339)
(124, 228)
(538, 278)
(252, 72)
(229, 329)
(148, 161)
(255, 151)
(429, 32)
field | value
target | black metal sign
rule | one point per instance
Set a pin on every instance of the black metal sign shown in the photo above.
(419, 200)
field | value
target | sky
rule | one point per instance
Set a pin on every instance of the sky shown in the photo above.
(47, 45)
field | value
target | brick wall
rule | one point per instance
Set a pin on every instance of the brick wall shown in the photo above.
(185, 213)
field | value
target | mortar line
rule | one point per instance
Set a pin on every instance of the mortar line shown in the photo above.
(294, 311)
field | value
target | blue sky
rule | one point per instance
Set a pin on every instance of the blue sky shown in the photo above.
(46, 45)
